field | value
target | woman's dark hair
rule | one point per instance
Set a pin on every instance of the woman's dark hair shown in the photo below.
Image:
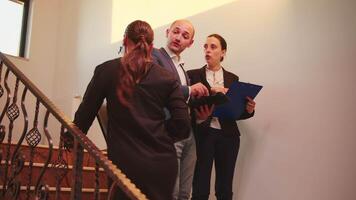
(222, 42)
(136, 63)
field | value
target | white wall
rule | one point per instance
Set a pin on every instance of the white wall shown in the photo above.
(41, 61)
(301, 142)
(84, 42)
(54, 58)
(42, 56)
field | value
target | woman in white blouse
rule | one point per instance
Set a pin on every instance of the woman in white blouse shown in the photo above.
(217, 139)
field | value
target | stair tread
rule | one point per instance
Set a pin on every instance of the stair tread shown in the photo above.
(42, 146)
(63, 189)
(50, 165)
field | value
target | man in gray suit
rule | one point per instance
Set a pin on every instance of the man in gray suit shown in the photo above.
(180, 36)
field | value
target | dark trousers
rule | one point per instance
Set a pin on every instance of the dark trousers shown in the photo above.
(211, 146)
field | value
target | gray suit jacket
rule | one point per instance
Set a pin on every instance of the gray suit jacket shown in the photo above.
(162, 58)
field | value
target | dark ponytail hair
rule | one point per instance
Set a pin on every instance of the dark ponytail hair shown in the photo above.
(136, 63)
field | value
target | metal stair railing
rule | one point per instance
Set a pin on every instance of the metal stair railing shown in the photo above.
(13, 159)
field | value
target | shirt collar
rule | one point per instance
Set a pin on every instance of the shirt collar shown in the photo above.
(174, 57)
(220, 71)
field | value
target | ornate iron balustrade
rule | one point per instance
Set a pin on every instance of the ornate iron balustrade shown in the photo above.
(13, 176)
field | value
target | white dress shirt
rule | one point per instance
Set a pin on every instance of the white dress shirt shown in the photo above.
(215, 79)
(179, 63)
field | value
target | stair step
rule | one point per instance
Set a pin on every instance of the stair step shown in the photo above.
(50, 175)
(87, 193)
(51, 165)
(41, 154)
(63, 189)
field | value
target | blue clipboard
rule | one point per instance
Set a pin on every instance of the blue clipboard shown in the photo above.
(237, 94)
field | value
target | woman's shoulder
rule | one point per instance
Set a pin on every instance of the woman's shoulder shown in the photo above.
(194, 72)
(108, 66)
(160, 77)
(106, 72)
(160, 71)
(232, 75)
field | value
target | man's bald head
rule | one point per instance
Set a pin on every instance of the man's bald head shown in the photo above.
(180, 36)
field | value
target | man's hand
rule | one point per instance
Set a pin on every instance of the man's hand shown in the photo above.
(198, 90)
(203, 112)
(250, 105)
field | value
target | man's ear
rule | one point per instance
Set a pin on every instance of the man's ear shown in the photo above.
(167, 32)
(191, 43)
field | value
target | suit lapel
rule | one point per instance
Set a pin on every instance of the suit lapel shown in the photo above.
(186, 76)
(170, 63)
(172, 67)
(203, 77)
(228, 80)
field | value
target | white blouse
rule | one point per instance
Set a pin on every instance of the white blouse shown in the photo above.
(215, 79)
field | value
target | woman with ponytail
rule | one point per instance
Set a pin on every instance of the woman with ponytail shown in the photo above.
(140, 140)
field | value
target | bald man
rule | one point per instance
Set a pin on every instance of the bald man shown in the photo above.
(180, 35)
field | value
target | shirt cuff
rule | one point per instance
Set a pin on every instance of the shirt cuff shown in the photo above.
(199, 121)
(189, 91)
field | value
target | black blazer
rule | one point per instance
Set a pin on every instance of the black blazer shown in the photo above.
(139, 135)
(229, 127)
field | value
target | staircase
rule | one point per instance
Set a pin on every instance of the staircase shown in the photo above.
(90, 171)
(32, 171)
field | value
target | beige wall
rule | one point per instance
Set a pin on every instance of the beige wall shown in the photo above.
(53, 59)
(41, 61)
(43, 49)
(301, 142)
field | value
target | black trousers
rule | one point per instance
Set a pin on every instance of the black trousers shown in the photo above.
(211, 146)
